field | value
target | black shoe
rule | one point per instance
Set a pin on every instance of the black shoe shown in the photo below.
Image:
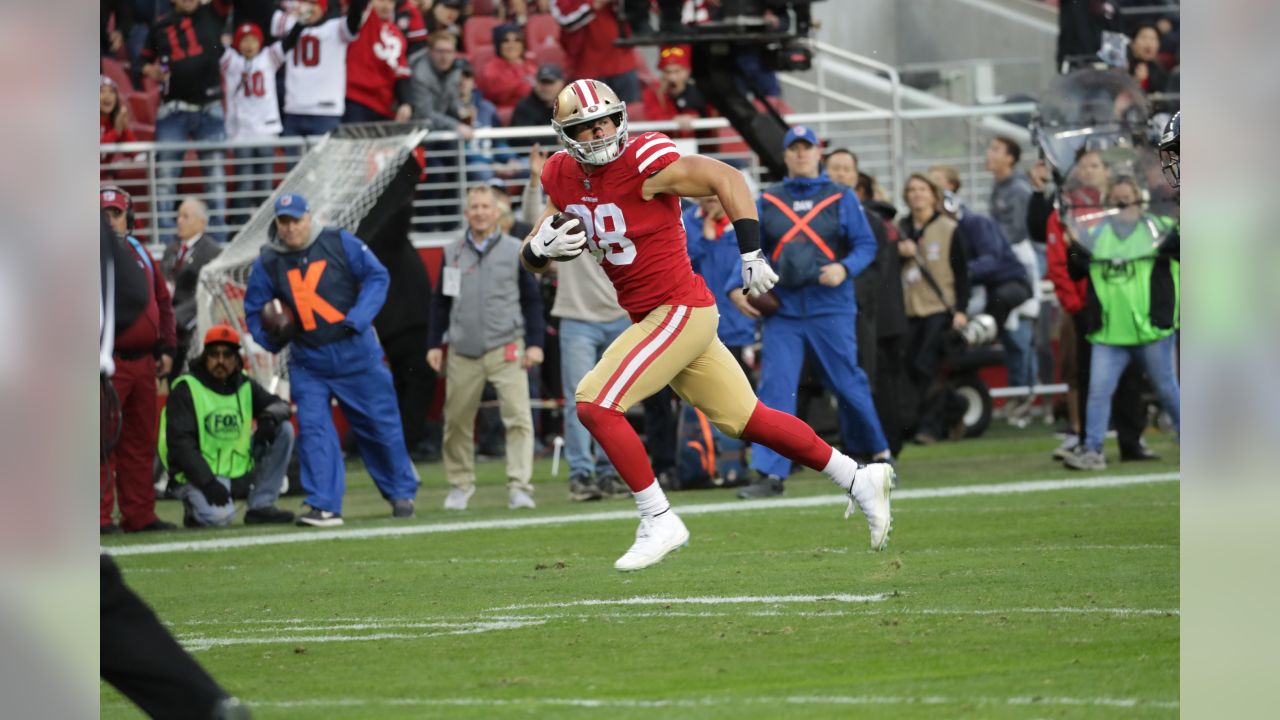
(267, 515)
(155, 525)
(315, 517)
(766, 487)
(612, 486)
(110, 529)
(402, 508)
(189, 516)
(582, 489)
(1137, 454)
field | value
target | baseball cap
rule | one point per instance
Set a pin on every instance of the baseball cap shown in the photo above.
(681, 55)
(222, 334)
(246, 29)
(291, 205)
(798, 133)
(549, 71)
(113, 198)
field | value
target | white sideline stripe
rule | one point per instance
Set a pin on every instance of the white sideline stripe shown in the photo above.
(650, 347)
(723, 702)
(1016, 488)
(731, 600)
(197, 642)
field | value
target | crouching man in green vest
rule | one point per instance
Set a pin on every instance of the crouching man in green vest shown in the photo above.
(209, 446)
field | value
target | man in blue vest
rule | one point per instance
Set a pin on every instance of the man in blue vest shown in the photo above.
(208, 442)
(818, 240)
(335, 286)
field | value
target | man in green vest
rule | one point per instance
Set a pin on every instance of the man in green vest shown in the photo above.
(209, 446)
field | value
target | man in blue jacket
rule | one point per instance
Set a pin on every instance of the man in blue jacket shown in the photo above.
(335, 286)
(713, 249)
(817, 239)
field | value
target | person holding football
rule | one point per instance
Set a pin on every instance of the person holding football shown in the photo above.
(623, 195)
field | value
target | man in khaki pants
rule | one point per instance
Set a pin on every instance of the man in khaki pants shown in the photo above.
(493, 338)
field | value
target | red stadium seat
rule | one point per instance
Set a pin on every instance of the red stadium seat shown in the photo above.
(483, 7)
(143, 107)
(541, 30)
(553, 54)
(479, 57)
(478, 32)
(143, 131)
(504, 115)
(115, 70)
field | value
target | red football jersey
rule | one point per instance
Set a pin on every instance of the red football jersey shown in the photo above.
(375, 61)
(642, 242)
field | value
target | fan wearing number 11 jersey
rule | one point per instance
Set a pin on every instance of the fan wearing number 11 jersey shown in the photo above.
(627, 192)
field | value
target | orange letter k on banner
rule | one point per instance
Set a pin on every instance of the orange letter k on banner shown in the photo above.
(307, 300)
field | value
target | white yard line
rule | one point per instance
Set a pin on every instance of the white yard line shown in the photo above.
(244, 541)
(198, 642)
(720, 702)
(732, 600)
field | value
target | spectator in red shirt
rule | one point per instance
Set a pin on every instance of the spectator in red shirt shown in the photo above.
(378, 69)
(588, 29)
(410, 22)
(676, 98)
(113, 116)
(508, 76)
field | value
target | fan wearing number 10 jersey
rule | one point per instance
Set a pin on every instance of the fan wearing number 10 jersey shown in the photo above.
(627, 190)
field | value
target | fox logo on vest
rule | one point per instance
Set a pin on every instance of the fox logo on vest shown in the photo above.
(308, 300)
(222, 426)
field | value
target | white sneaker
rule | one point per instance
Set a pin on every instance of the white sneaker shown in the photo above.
(1068, 446)
(655, 538)
(458, 497)
(870, 493)
(518, 499)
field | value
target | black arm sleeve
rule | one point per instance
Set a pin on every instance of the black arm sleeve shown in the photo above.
(183, 436)
(960, 270)
(1078, 261)
(531, 306)
(264, 403)
(404, 91)
(1039, 207)
(440, 307)
(355, 13)
(291, 39)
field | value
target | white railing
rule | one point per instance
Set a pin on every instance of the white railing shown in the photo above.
(889, 144)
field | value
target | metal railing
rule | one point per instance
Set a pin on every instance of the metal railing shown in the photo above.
(889, 144)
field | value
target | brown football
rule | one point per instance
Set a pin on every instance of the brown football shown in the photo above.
(767, 303)
(576, 226)
(278, 321)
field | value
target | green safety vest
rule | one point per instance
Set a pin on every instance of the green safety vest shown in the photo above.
(225, 424)
(1120, 274)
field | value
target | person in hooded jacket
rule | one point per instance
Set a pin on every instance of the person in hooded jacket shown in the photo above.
(334, 286)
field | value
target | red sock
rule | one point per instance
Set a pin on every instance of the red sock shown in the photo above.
(620, 443)
(786, 435)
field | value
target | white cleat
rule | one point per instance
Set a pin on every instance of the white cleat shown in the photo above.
(870, 493)
(655, 539)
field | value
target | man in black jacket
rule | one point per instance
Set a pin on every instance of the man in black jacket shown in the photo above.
(210, 449)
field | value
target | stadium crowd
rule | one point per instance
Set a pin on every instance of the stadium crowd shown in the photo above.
(253, 70)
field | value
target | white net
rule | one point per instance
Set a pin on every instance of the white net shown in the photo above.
(342, 179)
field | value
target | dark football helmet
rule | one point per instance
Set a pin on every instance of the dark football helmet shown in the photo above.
(1169, 144)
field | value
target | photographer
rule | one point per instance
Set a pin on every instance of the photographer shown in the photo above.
(935, 280)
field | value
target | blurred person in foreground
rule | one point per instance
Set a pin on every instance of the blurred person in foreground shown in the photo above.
(209, 445)
(1131, 259)
(136, 653)
(144, 346)
(626, 192)
(491, 310)
(333, 286)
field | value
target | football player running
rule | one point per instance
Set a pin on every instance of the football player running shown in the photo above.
(627, 190)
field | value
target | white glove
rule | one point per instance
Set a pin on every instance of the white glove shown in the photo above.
(757, 277)
(557, 243)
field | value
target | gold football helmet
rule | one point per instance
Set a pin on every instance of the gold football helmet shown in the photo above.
(585, 101)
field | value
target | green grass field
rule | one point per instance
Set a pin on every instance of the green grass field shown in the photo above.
(1053, 603)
